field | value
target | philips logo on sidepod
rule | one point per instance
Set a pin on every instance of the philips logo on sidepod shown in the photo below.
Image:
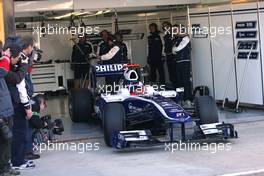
(109, 68)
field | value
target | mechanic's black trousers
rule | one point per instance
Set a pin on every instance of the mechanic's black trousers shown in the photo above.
(20, 126)
(153, 75)
(5, 150)
(171, 64)
(183, 78)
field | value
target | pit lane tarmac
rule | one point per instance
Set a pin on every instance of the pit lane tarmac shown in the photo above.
(245, 156)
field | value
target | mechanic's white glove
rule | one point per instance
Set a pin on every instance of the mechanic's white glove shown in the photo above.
(174, 50)
(92, 55)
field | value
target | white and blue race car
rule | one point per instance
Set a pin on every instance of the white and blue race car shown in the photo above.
(142, 115)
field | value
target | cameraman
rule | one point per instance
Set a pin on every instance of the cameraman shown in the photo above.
(15, 80)
(6, 109)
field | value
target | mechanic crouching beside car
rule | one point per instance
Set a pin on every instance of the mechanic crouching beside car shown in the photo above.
(182, 51)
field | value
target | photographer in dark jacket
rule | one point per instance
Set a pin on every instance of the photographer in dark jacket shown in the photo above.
(15, 80)
(155, 54)
(6, 109)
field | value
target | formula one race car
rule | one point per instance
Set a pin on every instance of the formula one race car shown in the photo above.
(136, 114)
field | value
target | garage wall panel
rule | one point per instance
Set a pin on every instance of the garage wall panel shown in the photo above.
(251, 91)
(261, 33)
(223, 57)
(201, 56)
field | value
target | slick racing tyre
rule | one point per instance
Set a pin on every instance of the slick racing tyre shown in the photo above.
(113, 120)
(80, 105)
(206, 109)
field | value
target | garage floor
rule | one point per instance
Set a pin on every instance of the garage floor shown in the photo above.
(245, 156)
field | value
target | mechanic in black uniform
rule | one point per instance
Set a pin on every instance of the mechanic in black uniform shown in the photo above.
(182, 52)
(103, 46)
(114, 56)
(168, 44)
(81, 53)
(123, 47)
(155, 54)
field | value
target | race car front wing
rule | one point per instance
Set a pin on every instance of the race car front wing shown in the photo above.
(144, 138)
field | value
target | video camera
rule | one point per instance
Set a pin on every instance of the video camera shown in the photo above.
(36, 54)
(50, 129)
(56, 126)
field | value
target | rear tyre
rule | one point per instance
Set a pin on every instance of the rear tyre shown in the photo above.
(206, 110)
(80, 105)
(113, 120)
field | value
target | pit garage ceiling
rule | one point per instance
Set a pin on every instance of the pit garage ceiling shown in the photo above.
(56, 5)
(22, 6)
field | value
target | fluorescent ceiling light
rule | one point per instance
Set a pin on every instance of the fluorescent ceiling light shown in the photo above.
(147, 14)
(71, 14)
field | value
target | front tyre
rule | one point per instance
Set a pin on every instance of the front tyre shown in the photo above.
(206, 110)
(113, 120)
